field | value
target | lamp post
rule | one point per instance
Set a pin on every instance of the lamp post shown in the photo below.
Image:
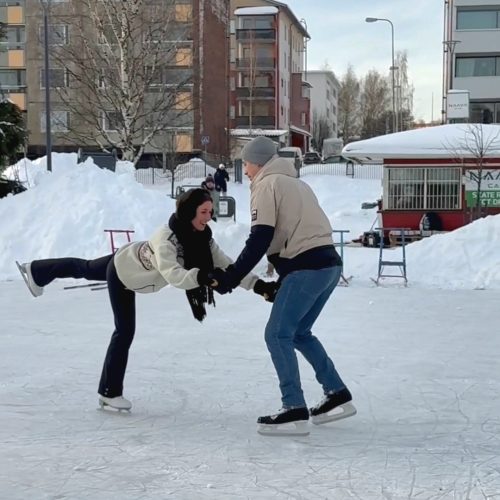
(48, 131)
(393, 69)
(449, 49)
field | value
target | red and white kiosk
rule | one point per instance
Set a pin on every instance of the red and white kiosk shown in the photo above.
(437, 170)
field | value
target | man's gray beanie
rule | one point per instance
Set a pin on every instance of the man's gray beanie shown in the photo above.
(259, 150)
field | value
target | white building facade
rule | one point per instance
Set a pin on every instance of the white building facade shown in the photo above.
(472, 55)
(324, 98)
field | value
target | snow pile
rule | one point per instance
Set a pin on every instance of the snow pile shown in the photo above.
(468, 257)
(65, 213)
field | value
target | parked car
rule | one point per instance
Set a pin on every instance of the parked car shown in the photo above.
(8, 186)
(338, 159)
(311, 157)
(292, 152)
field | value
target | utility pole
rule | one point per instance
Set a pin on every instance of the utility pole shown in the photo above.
(48, 131)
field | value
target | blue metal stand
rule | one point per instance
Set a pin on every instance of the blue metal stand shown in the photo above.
(341, 244)
(400, 264)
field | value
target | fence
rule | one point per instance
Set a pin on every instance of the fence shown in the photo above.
(198, 169)
(194, 169)
(371, 171)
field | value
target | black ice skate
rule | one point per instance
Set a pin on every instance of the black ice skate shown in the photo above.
(334, 406)
(287, 422)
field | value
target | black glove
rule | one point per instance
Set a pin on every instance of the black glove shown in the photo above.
(268, 289)
(220, 281)
(203, 278)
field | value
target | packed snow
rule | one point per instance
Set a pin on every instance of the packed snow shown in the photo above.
(450, 140)
(421, 362)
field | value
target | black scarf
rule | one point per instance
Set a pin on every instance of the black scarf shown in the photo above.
(195, 250)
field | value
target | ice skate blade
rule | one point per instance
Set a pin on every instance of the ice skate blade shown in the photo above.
(116, 404)
(106, 407)
(343, 411)
(35, 290)
(289, 429)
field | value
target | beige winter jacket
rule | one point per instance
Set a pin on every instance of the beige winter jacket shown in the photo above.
(281, 200)
(148, 266)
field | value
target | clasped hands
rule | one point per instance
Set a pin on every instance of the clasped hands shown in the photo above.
(222, 281)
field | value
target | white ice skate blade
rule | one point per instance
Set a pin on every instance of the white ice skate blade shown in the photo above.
(121, 405)
(289, 429)
(35, 290)
(338, 413)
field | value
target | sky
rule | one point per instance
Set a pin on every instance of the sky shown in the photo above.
(340, 36)
(421, 362)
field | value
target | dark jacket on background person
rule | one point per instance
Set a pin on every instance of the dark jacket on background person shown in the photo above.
(221, 177)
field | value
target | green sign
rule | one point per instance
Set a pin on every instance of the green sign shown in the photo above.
(488, 198)
(489, 195)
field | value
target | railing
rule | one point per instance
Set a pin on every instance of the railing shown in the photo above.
(246, 35)
(257, 92)
(257, 121)
(357, 171)
(257, 62)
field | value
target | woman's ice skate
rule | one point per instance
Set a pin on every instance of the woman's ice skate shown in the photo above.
(118, 403)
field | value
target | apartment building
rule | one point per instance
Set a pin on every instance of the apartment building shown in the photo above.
(324, 98)
(12, 53)
(268, 93)
(198, 28)
(472, 55)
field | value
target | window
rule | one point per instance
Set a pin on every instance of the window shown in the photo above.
(232, 112)
(12, 78)
(59, 121)
(111, 121)
(303, 118)
(478, 19)
(477, 66)
(16, 35)
(485, 112)
(58, 34)
(58, 78)
(434, 188)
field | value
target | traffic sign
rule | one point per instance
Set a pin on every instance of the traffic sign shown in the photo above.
(205, 139)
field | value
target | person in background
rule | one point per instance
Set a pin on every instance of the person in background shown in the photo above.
(221, 178)
(209, 185)
(181, 253)
(289, 225)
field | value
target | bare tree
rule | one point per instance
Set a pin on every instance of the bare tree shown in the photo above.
(349, 105)
(375, 97)
(129, 66)
(321, 129)
(479, 143)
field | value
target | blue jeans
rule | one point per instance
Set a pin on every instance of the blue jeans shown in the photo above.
(299, 302)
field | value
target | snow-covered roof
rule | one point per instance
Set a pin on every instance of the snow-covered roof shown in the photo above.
(443, 141)
(256, 11)
(244, 132)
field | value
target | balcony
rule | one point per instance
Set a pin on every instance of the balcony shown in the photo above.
(256, 63)
(257, 93)
(257, 121)
(265, 35)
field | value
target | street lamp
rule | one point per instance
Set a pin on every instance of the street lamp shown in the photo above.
(48, 131)
(393, 69)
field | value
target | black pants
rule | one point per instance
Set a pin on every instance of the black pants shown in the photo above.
(122, 304)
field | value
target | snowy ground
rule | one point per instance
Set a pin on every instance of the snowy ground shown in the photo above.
(421, 362)
(425, 384)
